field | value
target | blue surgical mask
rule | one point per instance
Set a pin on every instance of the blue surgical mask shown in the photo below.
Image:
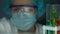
(23, 21)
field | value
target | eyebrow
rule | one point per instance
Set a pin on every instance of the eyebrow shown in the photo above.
(11, 6)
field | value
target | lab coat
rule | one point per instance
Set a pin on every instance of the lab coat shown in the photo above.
(7, 28)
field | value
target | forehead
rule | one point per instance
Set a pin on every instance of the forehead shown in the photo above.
(23, 2)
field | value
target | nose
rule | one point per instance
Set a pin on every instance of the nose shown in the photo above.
(21, 14)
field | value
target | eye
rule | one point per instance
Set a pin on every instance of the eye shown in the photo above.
(14, 10)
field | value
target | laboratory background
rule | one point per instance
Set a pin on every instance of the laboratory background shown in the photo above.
(29, 16)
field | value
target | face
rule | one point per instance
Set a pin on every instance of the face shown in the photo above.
(23, 15)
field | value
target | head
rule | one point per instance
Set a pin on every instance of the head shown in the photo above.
(23, 14)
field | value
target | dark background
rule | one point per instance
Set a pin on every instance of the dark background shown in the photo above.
(52, 1)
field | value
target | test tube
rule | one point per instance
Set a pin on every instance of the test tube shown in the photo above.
(58, 17)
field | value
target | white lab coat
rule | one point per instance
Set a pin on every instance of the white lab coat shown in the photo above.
(7, 28)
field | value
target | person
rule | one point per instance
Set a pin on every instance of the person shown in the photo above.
(25, 14)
